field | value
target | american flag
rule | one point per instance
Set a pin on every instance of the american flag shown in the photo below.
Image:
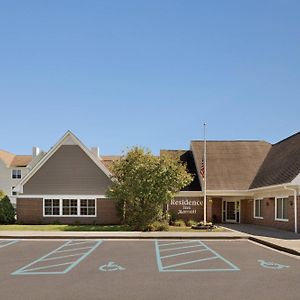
(202, 169)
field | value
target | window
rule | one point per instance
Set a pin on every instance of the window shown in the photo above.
(69, 207)
(281, 209)
(87, 207)
(258, 208)
(16, 174)
(13, 193)
(51, 207)
(74, 207)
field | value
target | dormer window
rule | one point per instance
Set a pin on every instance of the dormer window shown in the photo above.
(16, 174)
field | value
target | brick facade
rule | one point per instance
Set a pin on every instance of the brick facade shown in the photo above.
(268, 213)
(30, 211)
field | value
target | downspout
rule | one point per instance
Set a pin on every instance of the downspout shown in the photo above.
(295, 206)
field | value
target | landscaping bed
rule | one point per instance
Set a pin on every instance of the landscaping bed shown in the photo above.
(16, 227)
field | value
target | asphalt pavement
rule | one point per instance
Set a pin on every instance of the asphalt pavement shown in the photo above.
(145, 269)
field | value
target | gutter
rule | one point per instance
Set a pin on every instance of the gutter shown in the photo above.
(295, 206)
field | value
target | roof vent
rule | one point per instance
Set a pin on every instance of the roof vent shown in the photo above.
(95, 151)
(35, 151)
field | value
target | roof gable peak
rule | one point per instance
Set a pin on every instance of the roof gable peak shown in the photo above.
(68, 138)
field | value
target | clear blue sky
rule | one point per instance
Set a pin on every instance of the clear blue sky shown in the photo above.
(149, 73)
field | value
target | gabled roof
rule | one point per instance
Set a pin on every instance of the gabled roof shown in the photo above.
(231, 165)
(68, 139)
(281, 165)
(12, 160)
(186, 156)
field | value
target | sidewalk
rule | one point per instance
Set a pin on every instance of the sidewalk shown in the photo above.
(281, 240)
(120, 235)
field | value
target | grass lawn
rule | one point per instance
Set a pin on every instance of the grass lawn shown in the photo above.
(91, 228)
(65, 227)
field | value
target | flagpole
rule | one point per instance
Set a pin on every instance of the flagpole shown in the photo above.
(204, 206)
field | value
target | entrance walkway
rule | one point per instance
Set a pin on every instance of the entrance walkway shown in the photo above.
(270, 236)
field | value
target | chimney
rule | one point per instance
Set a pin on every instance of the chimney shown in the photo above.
(35, 151)
(95, 151)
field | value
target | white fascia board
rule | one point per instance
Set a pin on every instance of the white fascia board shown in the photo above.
(66, 137)
(220, 193)
(296, 180)
(270, 187)
(241, 193)
(189, 194)
(61, 196)
(35, 159)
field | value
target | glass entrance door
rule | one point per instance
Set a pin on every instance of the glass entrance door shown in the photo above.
(230, 211)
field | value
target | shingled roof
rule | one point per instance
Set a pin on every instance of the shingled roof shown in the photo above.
(231, 165)
(12, 160)
(186, 156)
(108, 160)
(281, 165)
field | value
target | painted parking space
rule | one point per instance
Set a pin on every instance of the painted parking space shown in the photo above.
(5, 243)
(128, 269)
(61, 260)
(190, 256)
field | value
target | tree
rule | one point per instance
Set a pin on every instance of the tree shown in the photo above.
(7, 211)
(144, 183)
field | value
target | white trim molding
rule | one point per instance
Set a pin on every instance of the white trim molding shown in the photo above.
(254, 208)
(78, 206)
(68, 138)
(59, 196)
(280, 219)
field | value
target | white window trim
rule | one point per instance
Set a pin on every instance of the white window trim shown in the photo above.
(60, 198)
(17, 178)
(12, 192)
(254, 216)
(279, 219)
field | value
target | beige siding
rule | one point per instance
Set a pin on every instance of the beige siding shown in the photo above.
(68, 171)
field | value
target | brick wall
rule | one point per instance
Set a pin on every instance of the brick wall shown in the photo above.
(30, 211)
(268, 212)
(216, 210)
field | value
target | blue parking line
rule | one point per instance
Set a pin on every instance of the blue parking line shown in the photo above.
(178, 254)
(234, 267)
(163, 267)
(190, 262)
(177, 243)
(178, 248)
(5, 243)
(30, 269)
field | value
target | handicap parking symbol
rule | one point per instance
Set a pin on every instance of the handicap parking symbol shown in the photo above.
(111, 266)
(271, 265)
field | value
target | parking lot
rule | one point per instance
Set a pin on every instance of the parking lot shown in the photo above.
(145, 269)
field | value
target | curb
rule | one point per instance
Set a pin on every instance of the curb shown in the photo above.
(151, 237)
(274, 246)
(125, 237)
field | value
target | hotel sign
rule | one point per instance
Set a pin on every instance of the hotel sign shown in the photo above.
(186, 206)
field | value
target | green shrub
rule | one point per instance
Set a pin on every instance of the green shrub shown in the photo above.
(158, 226)
(190, 223)
(179, 223)
(7, 211)
(172, 217)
